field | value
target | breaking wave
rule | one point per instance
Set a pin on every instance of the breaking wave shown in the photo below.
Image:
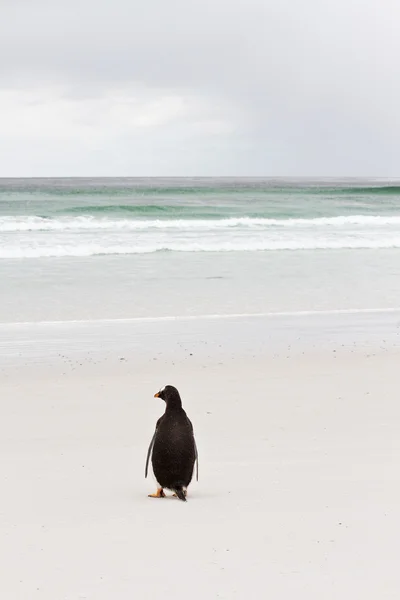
(29, 236)
(87, 223)
(82, 250)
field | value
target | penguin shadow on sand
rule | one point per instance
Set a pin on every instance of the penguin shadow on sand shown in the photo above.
(173, 449)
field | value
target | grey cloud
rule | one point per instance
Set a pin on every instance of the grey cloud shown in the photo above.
(309, 87)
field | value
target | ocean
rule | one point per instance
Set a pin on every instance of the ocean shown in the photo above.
(132, 248)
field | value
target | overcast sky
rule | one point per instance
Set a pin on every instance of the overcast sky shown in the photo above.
(199, 87)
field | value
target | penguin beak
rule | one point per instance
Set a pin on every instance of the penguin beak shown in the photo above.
(157, 395)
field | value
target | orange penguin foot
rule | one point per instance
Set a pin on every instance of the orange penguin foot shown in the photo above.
(159, 494)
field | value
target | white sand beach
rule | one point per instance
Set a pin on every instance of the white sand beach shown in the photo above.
(297, 424)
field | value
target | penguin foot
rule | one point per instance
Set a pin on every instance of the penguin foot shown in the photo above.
(159, 494)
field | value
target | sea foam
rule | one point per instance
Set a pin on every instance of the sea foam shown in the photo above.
(35, 223)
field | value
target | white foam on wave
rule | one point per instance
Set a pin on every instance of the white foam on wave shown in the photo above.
(239, 245)
(34, 223)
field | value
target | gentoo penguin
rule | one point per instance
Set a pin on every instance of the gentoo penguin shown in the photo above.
(174, 447)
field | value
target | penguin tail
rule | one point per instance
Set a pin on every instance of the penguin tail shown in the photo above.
(178, 489)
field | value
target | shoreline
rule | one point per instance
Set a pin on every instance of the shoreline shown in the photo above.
(152, 319)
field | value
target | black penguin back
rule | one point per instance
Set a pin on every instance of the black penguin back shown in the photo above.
(174, 450)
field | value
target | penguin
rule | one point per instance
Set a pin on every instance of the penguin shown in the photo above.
(173, 447)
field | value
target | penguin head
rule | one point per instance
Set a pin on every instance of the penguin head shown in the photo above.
(169, 394)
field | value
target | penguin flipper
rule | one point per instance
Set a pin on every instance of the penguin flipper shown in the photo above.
(197, 460)
(149, 453)
(151, 447)
(195, 451)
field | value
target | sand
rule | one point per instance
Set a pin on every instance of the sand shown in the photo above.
(297, 422)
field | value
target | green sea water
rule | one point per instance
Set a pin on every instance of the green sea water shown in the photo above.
(126, 248)
(195, 198)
